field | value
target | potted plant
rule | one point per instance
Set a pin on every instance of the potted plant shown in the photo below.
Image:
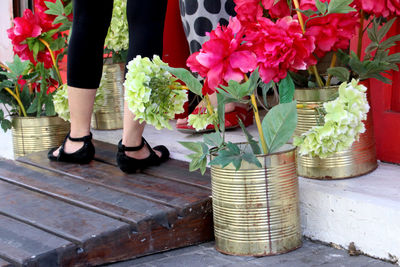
(27, 84)
(333, 24)
(109, 115)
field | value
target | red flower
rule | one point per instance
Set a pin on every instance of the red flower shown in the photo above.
(250, 10)
(331, 32)
(46, 19)
(223, 57)
(29, 26)
(280, 47)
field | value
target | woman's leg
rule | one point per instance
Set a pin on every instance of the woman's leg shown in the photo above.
(85, 63)
(146, 26)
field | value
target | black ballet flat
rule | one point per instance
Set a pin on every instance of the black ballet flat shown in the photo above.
(131, 165)
(82, 156)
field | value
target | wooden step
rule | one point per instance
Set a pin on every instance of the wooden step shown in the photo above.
(95, 214)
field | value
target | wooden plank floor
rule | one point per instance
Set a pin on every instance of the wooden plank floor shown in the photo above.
(60, 214)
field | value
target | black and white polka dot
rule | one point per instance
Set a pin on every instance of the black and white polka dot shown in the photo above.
(201, 16)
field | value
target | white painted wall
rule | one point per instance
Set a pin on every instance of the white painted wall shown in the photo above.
(6, 55)
(5, 23)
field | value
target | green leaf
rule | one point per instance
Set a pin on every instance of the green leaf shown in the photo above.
(340, 6)
(279, 124)
(230, 155)
(341, 73)
(6, 125)
(253, 143)
(35, 49)
(193, 146)
(56, 8)
(265, 89)
(384, 29)
(68, 9)
(286, 89)
(187, 77)
(221, 112)
(18, 67)
(33, 107)
(49, 107)
(251, 158)
(308, 12)
(320, 6)
(213, 139)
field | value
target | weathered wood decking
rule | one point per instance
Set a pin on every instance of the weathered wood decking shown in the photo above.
(59, 214)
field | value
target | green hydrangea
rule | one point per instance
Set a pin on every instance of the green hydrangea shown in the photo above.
(60, 100)
(202, 119)
(343, 123)
(118, 36)
(148, 92)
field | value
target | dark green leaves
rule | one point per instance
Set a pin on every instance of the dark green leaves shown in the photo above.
(279, 124)
(341, 73)
(233, 154)
(187, 77)
(286, 89)
(340, 6)
(199, 158)
(322, 7)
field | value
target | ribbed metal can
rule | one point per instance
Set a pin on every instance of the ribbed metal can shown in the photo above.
(110, 115)
(33, 134)
(256, 210)
(355, 161)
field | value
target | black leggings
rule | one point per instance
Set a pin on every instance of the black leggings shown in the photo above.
(91, 21)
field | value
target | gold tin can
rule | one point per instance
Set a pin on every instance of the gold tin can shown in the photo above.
(256, 210)
(33, 134)
(110, 115)
(355, 161)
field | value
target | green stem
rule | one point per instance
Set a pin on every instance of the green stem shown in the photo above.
(52, 58)
(17, 99)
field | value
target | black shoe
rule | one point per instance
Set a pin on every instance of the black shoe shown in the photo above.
(131, 165)
(82, 156)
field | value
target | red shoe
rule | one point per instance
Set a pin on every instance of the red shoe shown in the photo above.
(231, 121)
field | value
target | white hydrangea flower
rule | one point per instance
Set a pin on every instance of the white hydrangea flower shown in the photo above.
(60, 100)
(118, 35)
(343, 123)
(202, 119)
(148, 92)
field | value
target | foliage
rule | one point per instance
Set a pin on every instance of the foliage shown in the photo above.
(377, 60)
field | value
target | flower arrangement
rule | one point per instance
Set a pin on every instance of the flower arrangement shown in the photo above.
(27, 84)
(342, 123)
(117, 39)
(280, 43)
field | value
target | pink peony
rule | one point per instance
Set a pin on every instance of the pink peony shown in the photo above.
(223, 57)
(250, 10)
(331, 32)
(379, 8)
(29, 26)
(280, 47)
(276, 10)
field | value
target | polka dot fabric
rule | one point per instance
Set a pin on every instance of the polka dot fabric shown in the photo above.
(201, 16)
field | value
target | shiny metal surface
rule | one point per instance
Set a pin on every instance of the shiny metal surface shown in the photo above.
(109, 116)
(256, 211)
(32, 134)
(355, 161)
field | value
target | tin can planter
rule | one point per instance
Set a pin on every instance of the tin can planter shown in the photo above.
(358, 160)
(109, 116)
(33, 134)
(256, 210)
